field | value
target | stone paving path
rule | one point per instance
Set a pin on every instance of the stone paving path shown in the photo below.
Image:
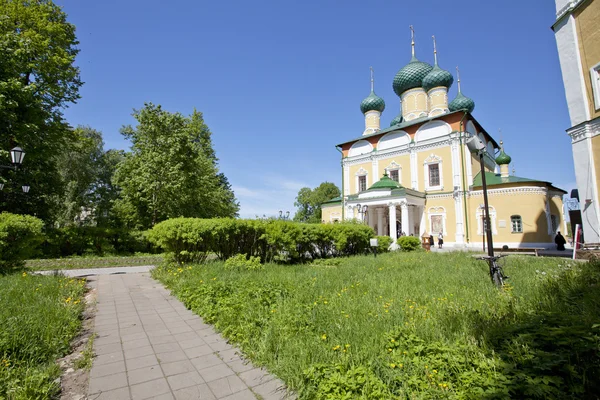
(149, 346)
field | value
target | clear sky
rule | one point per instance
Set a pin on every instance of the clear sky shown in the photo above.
(280, 82)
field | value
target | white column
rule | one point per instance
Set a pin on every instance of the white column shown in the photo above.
(350, 213)
(371, 217)
(405, 221)
(393, 233)
(375, 167)
(423, 226)
(459, 212)
(455, 163)
(413, 171)
(380, 212)
(346, 179)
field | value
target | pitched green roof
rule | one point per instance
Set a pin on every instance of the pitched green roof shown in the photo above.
(385, 183)
(492, 179)
(333, 201)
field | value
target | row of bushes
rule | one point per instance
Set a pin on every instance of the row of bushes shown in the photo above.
(192, 239)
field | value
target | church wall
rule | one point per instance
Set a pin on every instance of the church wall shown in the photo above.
(367, 166)
(403, 161)
(445, 153)
(588, 37)
(529, 203)
(444, 207)
(329, 213)
(596, 161)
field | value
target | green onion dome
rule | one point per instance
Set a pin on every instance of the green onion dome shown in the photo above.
(385, 183)
(503, 158)
(437, 77)
(461, 102)
(372, 103)
(410, 76)
(398, 120)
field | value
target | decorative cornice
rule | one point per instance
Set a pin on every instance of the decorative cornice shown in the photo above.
(568, 8)
(438, 196)
(583, 131)
(512, 191)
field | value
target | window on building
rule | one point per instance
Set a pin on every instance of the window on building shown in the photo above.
(362, 183)
(394, 175)
(516, 224)
(554, 223)
(434, 174)
(595, 78)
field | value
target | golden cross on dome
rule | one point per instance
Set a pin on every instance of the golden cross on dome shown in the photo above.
(372, 85)
(434, 50)
(458, 77)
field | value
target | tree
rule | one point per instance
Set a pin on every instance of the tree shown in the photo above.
(38, 80)
(309, 201)
(171, 170)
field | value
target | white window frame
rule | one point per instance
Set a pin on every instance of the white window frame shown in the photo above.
(433, 159)
(394, 167)
(556, 222)
(478, 215)
(359, 173)
(436, 211)
(595, 81)
(512, 227)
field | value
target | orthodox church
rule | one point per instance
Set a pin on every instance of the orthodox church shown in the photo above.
(417, 177)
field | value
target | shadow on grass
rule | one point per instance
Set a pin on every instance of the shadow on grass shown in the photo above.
(551, 350)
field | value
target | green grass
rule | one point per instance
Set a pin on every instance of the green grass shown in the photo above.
(409, 325)
(39, 316)
(93, 262)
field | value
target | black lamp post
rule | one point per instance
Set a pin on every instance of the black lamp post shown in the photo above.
(16, 155)
(363, 211)
(476, 146)
(283, 216)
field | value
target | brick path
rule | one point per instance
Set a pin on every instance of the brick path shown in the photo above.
(149, 346)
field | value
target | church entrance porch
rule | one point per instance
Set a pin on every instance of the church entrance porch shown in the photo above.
(390, 218)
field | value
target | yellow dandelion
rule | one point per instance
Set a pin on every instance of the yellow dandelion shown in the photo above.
(324, 337)
(24, 274)
(392, 365)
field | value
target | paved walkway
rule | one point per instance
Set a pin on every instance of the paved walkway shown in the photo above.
(98, 271)
(149, 346)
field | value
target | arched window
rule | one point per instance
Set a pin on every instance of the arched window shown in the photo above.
(516, 224)
(433, 173)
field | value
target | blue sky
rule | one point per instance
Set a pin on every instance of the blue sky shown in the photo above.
(280, 82)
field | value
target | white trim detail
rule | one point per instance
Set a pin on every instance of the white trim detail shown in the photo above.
(346, 179)
(433, 211)
(595, 79)
(431, 160)
(361, 172)
(479, 216)
(394, 166)
(359, 148)
(413, 170)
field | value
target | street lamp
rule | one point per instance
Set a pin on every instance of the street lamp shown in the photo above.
(476, 146)
(363, 211)
(282, 216)
(16, 155)
(25, 188)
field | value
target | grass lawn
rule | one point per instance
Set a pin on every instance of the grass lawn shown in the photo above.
(39, 316)
(93, 262)
(409, 325)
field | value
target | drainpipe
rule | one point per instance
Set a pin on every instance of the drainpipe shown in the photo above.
(464, 178)
(342, 194)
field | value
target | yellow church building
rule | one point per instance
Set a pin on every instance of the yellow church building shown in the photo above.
(417, 177)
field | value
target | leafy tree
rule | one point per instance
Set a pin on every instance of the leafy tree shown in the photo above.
(171, 171)
(38, 79)
(79, 166)
(309, 201)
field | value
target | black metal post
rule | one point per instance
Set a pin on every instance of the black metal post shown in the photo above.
(488, 225)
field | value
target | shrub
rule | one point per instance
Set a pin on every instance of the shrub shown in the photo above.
(240, 261)
(383, 244)
(19, 237)
(84, 240)
(409, 243)
(191, 239)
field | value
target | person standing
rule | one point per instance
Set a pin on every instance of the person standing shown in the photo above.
(440, 240)
(560, 241)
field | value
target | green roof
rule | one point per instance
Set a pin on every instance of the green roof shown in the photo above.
(333, 201)
(492, 179)
(385, 183)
